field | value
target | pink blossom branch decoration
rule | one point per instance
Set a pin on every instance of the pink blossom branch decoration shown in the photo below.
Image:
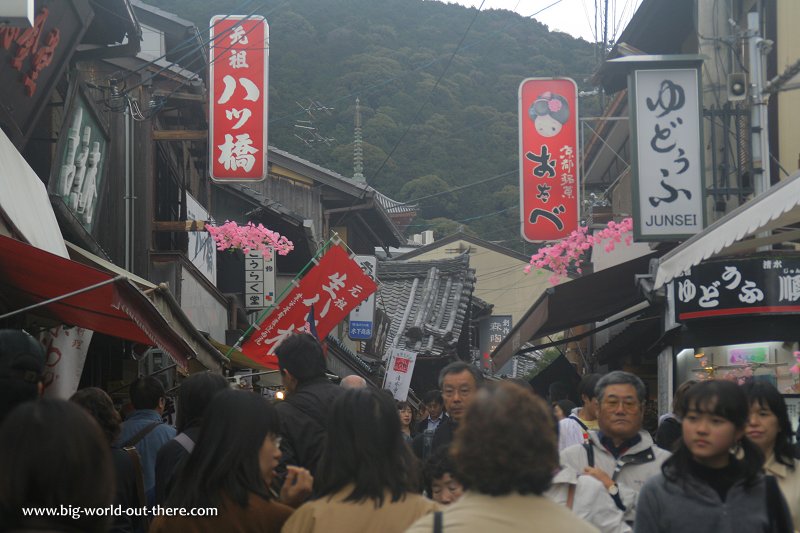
(249, 238)
(571, 250)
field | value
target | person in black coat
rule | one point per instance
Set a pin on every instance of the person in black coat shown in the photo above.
(309, 397)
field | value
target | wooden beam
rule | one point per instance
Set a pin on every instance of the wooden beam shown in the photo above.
(178, 95)
(179, 225)
(180, 135)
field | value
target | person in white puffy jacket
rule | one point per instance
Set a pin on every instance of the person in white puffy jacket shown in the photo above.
(620, 454)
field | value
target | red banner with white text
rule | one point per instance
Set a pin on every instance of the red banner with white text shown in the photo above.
(238, 54)
(548, 181)
(335, 286)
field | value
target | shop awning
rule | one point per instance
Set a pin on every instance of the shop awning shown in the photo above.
(114, 307)
(773, 212)
(580, 301)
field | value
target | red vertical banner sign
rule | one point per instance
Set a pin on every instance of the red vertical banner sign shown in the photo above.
(549, 159)
(335, 286)
(238, 55)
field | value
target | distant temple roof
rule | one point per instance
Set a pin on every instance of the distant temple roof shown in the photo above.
(428, 302)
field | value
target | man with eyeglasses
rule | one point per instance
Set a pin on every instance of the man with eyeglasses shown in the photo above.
(621, 455)
(459, 382)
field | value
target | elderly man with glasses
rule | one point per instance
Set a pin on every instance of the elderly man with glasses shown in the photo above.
(620, 454)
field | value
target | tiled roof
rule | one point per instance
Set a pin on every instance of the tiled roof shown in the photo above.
(427, 302)
(393, 206)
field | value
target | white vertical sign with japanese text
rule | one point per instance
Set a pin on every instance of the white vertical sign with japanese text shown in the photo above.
(399, 369)
(362, 317)
(65, 349)
(669, 195)
(259, 279)
(238, 82)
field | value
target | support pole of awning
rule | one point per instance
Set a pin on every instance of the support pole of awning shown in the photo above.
(63, 296)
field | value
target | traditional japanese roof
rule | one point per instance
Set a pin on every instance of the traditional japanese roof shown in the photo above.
(393, 206)
(354, 194)
(428, 302)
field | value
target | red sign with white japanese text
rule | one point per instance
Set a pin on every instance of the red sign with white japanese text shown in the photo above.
(335, 286)
(548, 142)
(238, 55)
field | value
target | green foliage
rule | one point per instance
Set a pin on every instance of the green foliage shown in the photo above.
(548, 355)
(390, 54)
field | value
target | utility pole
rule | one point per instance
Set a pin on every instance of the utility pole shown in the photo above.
(758, 47)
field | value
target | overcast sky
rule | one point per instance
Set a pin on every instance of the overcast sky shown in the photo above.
(575, 17)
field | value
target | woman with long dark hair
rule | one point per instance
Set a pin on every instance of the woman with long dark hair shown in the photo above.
(367, 476)
(769, 428)
(713, 481)
(230, 470)
(406, 414)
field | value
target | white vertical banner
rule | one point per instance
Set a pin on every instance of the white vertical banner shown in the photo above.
(362, 318)
(399, 369)
(259, 279)
(669, 197)
(202, 250)
(65, 350)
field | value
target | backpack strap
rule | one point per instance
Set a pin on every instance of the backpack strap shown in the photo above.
(137, 468)
(133, 441)
(583, 426)
(437, 522)
(589, 452)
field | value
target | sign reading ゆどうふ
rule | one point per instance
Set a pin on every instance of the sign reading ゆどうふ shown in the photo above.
(548, 142)
(238, 54)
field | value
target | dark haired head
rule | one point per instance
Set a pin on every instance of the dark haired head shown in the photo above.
(301, 355)
(587, 386)
(558, 390)
(225, 459)
(21, 367)
(506, 442)
(194, 396)
(680, 392)
(436, 466)
(566, 406)
(146, 393)
(53, 454)
(724, 399)
(458, 367)
(544, 106)
(365, 448)
(433, 396)
(765, 395)
(99, 404)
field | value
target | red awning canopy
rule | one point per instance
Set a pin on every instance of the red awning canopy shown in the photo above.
(29, 276)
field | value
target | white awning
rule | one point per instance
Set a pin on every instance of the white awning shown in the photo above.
(740, 231)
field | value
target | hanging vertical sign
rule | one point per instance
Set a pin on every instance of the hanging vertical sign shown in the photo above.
(548, 168)
(398, 373)
(667, 141)
(362, 317)
(334, 287)
(238, 55)
(259, 279)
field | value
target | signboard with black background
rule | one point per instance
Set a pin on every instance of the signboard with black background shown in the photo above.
(33, 59)
(734, 287)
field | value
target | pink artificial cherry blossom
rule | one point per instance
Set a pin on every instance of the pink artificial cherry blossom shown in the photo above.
(231, 236)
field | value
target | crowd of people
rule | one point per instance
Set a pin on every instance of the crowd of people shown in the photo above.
(475, 456)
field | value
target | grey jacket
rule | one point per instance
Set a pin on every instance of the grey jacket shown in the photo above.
(632, 475)
(665, 506)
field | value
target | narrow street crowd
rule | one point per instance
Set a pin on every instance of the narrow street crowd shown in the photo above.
(336, 458)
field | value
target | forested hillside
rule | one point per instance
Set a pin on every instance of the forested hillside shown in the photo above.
(390, 54)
